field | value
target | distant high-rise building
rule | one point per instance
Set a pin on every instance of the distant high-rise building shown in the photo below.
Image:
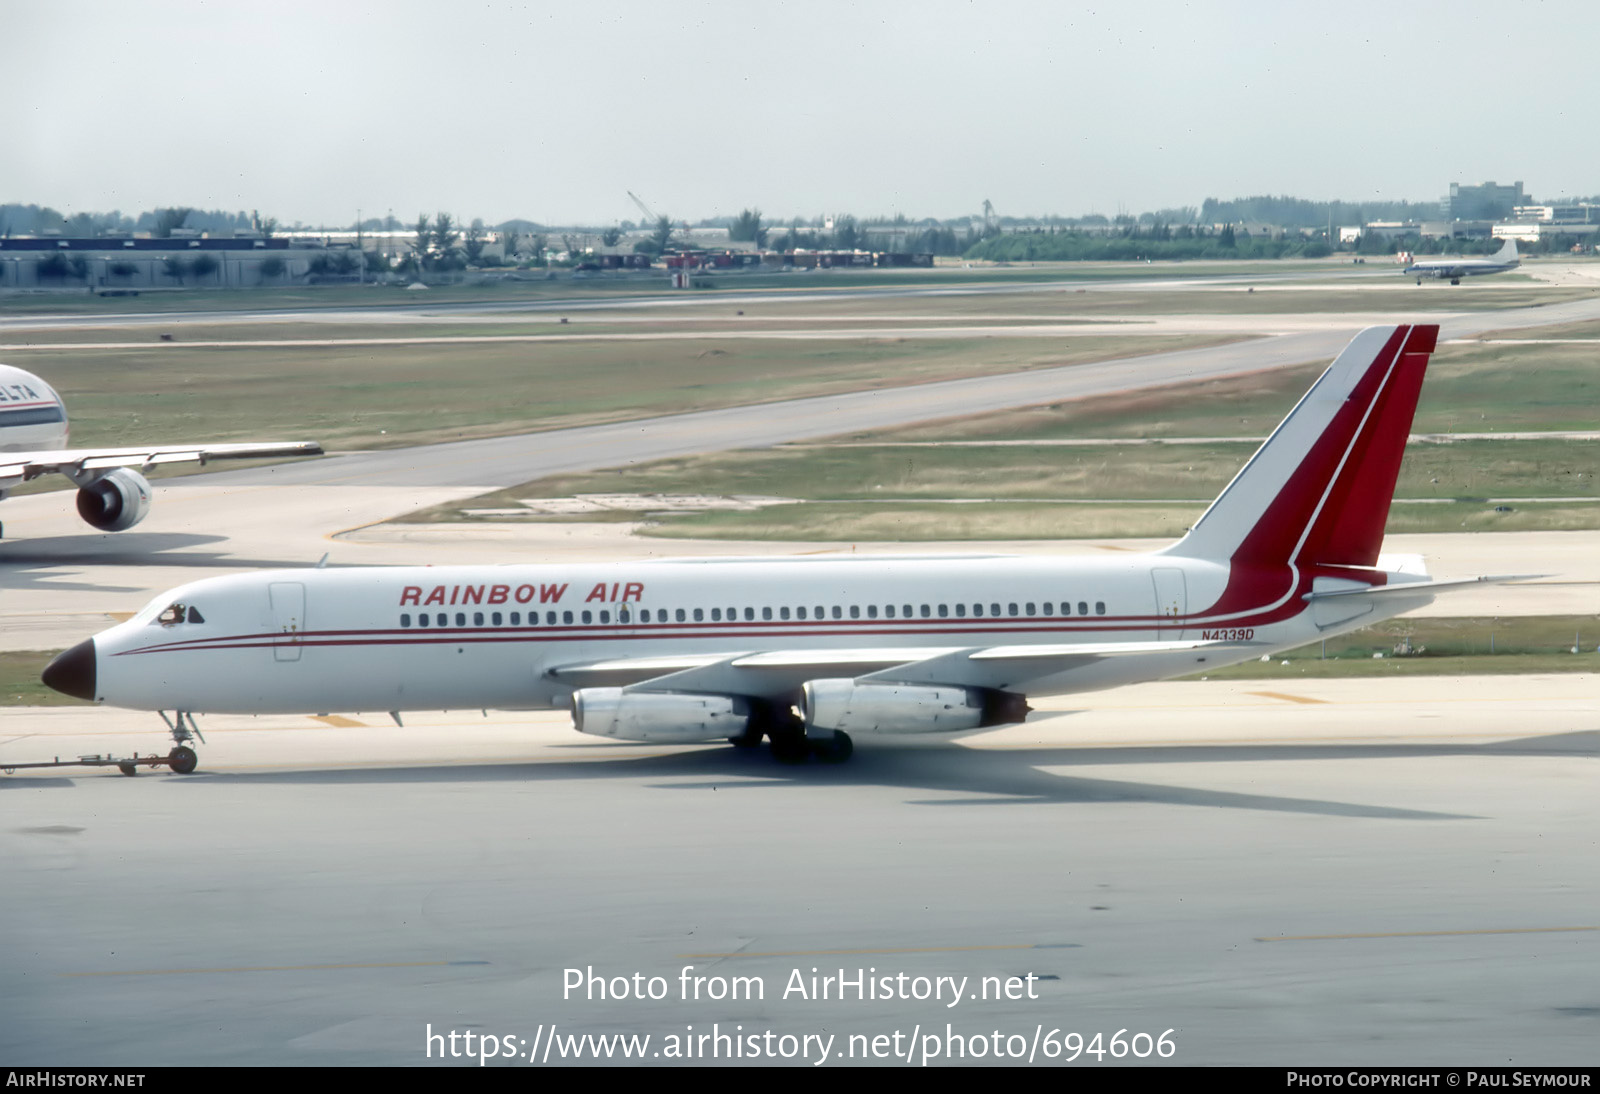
(1488, 201)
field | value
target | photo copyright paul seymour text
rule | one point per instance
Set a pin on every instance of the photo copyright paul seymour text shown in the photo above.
(1439, 1080)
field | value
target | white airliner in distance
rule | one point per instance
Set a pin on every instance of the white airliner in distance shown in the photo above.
(806, 652)
(1456, 268)
(112, 496)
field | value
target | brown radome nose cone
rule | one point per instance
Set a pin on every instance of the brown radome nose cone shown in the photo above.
(73, 672)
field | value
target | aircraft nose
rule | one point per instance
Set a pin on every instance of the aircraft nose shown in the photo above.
(73, 671)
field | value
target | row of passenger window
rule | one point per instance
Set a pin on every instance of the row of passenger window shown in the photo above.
(628, 614)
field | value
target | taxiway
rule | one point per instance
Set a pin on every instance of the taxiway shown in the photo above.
(1339, 872)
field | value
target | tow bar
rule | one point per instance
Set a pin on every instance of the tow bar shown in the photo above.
(182, 760)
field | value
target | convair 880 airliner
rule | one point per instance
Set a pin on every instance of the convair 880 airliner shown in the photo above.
(807, 652)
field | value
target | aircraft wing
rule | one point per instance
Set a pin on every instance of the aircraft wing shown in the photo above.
(777, 672)
(735, 672)
(22, 466)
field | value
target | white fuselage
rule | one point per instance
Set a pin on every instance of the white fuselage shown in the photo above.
(32, 415)
(394, 639)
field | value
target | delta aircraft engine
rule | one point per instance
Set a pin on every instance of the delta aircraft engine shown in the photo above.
(116, 501)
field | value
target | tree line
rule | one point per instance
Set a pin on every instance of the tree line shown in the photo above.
(1291, 212)
(1136, 244)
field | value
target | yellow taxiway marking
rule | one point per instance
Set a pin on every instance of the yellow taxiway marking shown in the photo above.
(121, 617)
(853, 953)
(279, 968)
(1421, 934)
(1287, 698)
(339, 721)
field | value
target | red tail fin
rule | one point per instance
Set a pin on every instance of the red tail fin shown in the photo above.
(1318, 491)
(1349, 529)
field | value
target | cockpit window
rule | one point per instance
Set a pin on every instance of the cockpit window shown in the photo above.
(177, 613)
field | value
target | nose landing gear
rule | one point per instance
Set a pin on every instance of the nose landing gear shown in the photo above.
(182, 759)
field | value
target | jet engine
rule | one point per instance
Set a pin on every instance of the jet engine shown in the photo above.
(658, 716)
(116, 501)
(850, 706)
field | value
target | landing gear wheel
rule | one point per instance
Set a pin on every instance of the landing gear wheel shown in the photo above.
(835, 749)
(183, 760)
(750, 738)
(789, 747)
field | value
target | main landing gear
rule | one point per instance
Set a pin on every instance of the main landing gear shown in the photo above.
(790, 742)
(793, 746)
(835, 748)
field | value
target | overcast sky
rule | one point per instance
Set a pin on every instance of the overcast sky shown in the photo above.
(553, 111)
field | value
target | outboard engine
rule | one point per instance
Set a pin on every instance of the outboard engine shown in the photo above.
(116, 501)
(853, 707)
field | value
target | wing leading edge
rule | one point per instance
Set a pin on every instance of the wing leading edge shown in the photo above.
(73, 462)
(773, 673)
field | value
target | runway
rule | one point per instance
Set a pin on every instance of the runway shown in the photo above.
(1378, 873)
(805, 288)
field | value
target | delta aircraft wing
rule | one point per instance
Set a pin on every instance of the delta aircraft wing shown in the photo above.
(112, 494)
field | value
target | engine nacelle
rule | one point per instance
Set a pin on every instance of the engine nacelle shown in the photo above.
(116, 501)
(658, 716)
(901, 708)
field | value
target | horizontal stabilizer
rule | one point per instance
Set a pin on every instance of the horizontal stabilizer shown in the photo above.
(1412, 588)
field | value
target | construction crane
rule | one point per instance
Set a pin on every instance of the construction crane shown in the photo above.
(649, 217)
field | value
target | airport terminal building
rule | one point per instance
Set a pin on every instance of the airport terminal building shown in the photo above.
(111, 264)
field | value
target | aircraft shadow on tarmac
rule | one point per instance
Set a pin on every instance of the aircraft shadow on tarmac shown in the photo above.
(26, 563)
(998, 777)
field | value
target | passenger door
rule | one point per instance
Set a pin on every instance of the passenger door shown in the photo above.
(288, 618)
(1172, 601)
